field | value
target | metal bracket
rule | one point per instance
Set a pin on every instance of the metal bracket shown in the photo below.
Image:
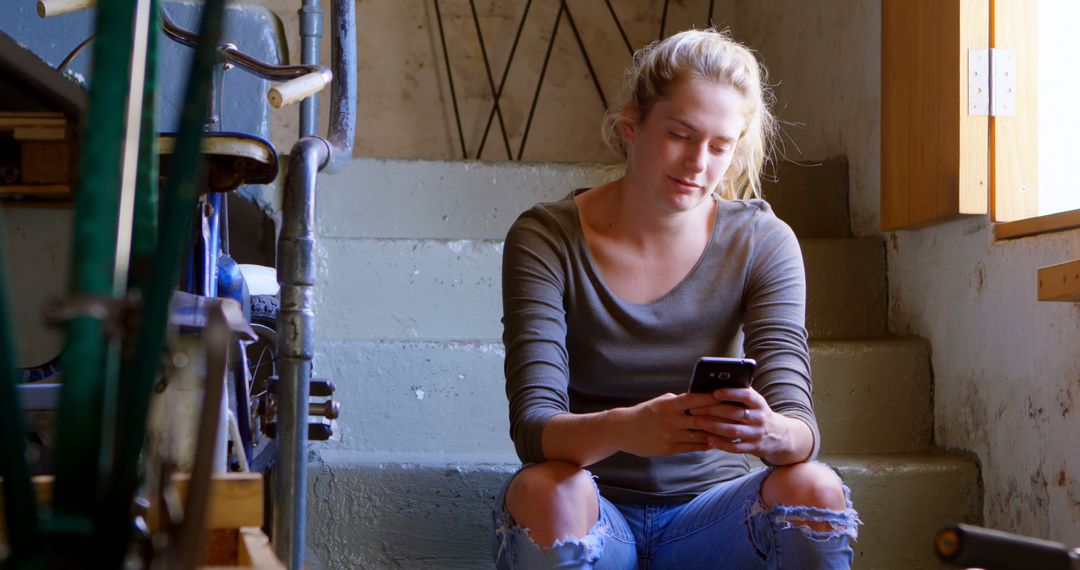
(979, 82)
(992, 82)
(1002, 82)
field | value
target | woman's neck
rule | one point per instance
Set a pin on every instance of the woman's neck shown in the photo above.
(630, 214)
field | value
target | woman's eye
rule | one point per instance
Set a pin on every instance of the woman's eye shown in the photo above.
(721, 149)
(678, 137)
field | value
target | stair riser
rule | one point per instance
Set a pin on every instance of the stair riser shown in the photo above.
(847, 296)
(439, 516)
(873, 397)
(902, 511)
(384, 198)
(448, 290)
(428, 397)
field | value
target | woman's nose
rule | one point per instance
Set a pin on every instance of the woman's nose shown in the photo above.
(696, 156)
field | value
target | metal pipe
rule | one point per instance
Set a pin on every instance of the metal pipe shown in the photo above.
(311, 32)
(296, 274)
(296, 327)
(342, 128)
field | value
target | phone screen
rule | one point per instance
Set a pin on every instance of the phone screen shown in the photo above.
(712, 373)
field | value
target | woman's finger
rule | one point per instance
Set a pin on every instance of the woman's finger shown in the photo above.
(724, 429)
(746, 396)
(691, 400)
(729, 412)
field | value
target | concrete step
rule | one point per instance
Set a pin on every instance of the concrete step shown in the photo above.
(395, 289)
(411, 199)
(448, 397)
(432, 511)
(873, 396)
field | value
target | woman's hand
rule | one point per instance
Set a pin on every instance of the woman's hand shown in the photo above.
(663, 426)
(752, 427)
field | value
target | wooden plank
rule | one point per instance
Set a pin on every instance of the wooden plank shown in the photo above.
(933, 154)
(1038, 225)
(35, 190)
(46, 162)
(256, 552)
(236, 499)
(1060, 282)
(40, 133)
(974, 183)
(10, 121)
(1014, 140)
(223, 547)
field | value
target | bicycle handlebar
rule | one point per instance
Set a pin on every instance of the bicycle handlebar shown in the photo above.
(300, 88)
(301, 81)
(50, 8)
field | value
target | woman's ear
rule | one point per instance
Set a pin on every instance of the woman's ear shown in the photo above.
(629, 122)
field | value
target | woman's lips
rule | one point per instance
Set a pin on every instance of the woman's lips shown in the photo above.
(684, 184)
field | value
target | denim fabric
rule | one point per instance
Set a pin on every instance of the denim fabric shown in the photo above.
(728, 526)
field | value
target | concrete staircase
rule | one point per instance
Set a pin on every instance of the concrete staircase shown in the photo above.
(408, 310)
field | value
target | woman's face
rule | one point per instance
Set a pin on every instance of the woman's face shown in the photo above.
(682, 149)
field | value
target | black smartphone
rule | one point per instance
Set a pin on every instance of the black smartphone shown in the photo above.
(713, 372)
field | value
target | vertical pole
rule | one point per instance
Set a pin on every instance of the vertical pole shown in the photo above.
(76, 491)
(296, 329)
(311, 31)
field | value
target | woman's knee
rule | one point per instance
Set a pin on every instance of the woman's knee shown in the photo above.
(549, 485)
(804, 484)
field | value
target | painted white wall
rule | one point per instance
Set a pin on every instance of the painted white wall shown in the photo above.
(1006, 367)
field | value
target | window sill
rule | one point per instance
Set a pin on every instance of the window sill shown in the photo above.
(1060, 282)
(1038, 225)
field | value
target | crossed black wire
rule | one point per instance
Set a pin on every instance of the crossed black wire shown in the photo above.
(496, 93)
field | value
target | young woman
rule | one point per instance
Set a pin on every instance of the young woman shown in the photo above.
(611, 295)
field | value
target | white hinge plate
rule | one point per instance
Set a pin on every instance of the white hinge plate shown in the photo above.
(992, 82)
(1002, 82)
(978, 82)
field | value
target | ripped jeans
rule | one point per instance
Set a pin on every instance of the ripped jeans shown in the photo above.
(727, 526)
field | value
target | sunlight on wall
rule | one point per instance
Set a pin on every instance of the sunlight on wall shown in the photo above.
(1059, 185)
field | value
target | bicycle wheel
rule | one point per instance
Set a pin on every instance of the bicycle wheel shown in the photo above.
(262, 365)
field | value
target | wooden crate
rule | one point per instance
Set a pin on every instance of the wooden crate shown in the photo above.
(37, 157)
(236, 513)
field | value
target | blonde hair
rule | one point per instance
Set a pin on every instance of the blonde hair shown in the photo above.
(707, 55)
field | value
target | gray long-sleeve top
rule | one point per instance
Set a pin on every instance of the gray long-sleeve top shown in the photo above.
(572, 345)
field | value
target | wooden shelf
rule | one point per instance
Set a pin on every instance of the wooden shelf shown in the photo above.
(1039, 225)
(1060, 282)
(236, 513)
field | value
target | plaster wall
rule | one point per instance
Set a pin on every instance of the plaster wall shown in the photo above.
(824, 61)
(405, 108)
(1006, 367)
(827, 90)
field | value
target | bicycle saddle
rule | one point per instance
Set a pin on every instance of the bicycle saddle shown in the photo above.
(232, 159)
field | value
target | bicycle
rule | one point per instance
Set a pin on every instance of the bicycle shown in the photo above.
(152, 287)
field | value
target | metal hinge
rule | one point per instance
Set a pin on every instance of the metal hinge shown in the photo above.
(992, 82)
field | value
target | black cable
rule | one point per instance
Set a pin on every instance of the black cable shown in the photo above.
(585, 54)
(540, 82)
(502, 82)
(491, 82)
(450, 78)
(618, 24)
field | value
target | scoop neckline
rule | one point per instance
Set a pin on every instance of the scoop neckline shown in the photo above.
(594, 269)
